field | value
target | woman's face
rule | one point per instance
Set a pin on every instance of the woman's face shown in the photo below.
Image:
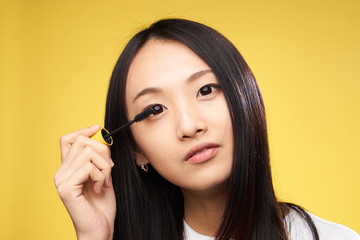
(189, 139)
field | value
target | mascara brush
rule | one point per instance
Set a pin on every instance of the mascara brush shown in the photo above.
(107, 136)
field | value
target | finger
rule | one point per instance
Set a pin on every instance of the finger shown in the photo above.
(67, 140)
(104, 166)
(98, 178)
(88, 154)
(81, 142)
(74, 185)
(85, 173)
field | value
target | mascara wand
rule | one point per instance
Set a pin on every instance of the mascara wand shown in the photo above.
(107, 136)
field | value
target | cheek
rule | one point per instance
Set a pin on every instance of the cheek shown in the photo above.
(154, 141)
(162, 152)
(219, 120)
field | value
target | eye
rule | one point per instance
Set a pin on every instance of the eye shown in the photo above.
(207, 89)
(158, 108)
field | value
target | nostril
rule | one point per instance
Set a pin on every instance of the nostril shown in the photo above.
(198, 131)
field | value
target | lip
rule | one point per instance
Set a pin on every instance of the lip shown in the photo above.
(194, 157)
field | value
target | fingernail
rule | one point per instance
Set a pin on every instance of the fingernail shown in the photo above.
(95, 127)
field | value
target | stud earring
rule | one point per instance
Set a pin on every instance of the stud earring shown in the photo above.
(144, 167)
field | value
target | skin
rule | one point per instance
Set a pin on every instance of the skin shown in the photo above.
(84, 184)
(188, 115)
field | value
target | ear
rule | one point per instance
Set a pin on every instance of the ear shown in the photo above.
(140, 158)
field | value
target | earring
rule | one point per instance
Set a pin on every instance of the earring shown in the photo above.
(144, 167)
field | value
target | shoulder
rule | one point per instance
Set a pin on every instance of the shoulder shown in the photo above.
(329, 230)
(299, 229)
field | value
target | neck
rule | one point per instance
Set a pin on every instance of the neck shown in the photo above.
(203, 210)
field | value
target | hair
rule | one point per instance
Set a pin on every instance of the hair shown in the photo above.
(150, 207)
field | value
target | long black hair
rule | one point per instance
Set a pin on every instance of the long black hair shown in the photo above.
(150, 207)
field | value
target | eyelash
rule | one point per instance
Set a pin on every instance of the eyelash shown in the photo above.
(212, 86)
(156, 106)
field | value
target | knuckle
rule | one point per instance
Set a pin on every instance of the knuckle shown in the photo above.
(108, 166)
(80, 139)
(63, 139)
(57, 178)
(89, 166)
(107, 169)
(104, 151)
(88, 151)
(101, 177)
(108, 152)
(62, 190)
(56, 181)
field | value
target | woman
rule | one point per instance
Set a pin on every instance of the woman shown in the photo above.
(198, 166)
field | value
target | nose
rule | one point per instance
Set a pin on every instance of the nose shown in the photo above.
(190, 123)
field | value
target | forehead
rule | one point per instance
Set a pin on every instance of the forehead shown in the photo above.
(162, 61)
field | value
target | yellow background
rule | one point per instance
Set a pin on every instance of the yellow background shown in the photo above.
(56, 58)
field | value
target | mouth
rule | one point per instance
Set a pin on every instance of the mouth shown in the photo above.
(201, 153)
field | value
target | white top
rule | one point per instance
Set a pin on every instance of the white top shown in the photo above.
(297, 229)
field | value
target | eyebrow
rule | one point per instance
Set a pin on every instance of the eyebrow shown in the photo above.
(191, 78)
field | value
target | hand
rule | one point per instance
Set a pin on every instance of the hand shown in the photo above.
(84, 184)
